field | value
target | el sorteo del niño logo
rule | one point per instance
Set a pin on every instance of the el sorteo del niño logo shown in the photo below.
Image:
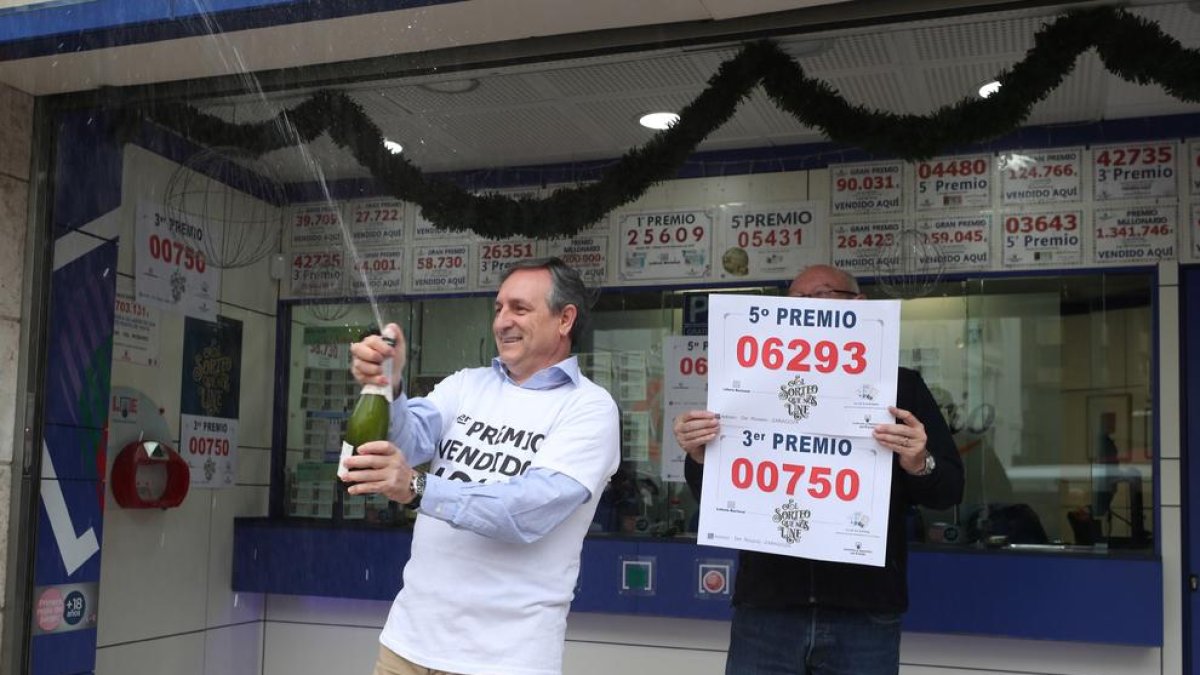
(791, 520)
(799, 397)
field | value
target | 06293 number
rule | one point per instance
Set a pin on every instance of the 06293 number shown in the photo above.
(827, 355)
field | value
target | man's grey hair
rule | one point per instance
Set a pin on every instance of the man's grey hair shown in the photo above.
(848, 278)
(566, 288)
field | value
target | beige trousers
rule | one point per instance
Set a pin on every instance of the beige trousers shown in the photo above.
(391, 663)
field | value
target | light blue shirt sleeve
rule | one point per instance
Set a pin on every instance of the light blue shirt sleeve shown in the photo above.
(521, 510)
(416, 428)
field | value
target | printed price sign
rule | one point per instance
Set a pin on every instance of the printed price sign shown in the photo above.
(317, 274)
(1134, 171)
(327, 356)
(1041, 239)
(209, 444)
(813, 366)
(1194, 163)
(497, 256)
(440, 268)
(819, 497)
(588, 255)
(800, 384)
(866, 189)
(1136, 234)
(423, 229)
(379, 272)
(665, 245)
(772, 241)
(377, 222)
(959, 243)
(864, 247)
(135, 332)
(1041, 177)
(685, 387)
(954, 183)
(172, 271)
(314, 226)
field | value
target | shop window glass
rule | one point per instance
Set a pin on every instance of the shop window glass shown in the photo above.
(1044, 382)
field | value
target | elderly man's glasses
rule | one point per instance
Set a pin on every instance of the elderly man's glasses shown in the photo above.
(825, 293)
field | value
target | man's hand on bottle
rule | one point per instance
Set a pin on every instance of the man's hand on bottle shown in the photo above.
(379, 468)
(694, 429)
(368, 357)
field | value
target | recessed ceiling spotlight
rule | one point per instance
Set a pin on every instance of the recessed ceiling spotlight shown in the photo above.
(392, 146)
(989, 88)
(451, 86)
(658, 120)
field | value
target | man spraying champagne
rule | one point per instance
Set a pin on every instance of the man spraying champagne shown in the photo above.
(519, 453)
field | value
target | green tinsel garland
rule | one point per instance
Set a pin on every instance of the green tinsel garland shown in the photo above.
(1130, 47)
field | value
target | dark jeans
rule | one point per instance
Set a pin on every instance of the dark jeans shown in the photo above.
(813, 641)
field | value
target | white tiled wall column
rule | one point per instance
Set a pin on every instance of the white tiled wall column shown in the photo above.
(16, 132)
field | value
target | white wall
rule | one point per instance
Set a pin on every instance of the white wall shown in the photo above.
(166, 604)
(308, 636)
(16, 132)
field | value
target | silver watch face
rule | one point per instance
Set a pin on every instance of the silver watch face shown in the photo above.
(929, 463)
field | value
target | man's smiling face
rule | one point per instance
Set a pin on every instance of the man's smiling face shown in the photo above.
(529, 336)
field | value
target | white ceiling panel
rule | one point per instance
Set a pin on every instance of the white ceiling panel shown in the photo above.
(849, 52)
(664, 73)
(879, 90)
(586, 108)
(977, 40)
(493, 92)
(1084, 89)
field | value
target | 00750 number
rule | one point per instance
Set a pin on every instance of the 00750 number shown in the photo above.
(768, 477)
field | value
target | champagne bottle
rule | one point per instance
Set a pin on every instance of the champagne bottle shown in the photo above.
(369, 420)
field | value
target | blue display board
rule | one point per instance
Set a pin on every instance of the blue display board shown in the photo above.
(1077, 598)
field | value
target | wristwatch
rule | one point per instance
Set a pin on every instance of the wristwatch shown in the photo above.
(930, 465)
(417, 487)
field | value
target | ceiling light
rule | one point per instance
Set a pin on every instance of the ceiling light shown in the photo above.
(658, 120)
(392, 146)
(989, 88)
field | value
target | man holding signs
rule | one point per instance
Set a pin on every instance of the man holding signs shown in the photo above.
(794, 614)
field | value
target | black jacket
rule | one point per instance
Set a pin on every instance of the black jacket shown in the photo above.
(778, 582)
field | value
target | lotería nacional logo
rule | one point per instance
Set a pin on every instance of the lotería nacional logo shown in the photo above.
(868, 392)
(792, 521)
(798, 397)
(860, 519)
